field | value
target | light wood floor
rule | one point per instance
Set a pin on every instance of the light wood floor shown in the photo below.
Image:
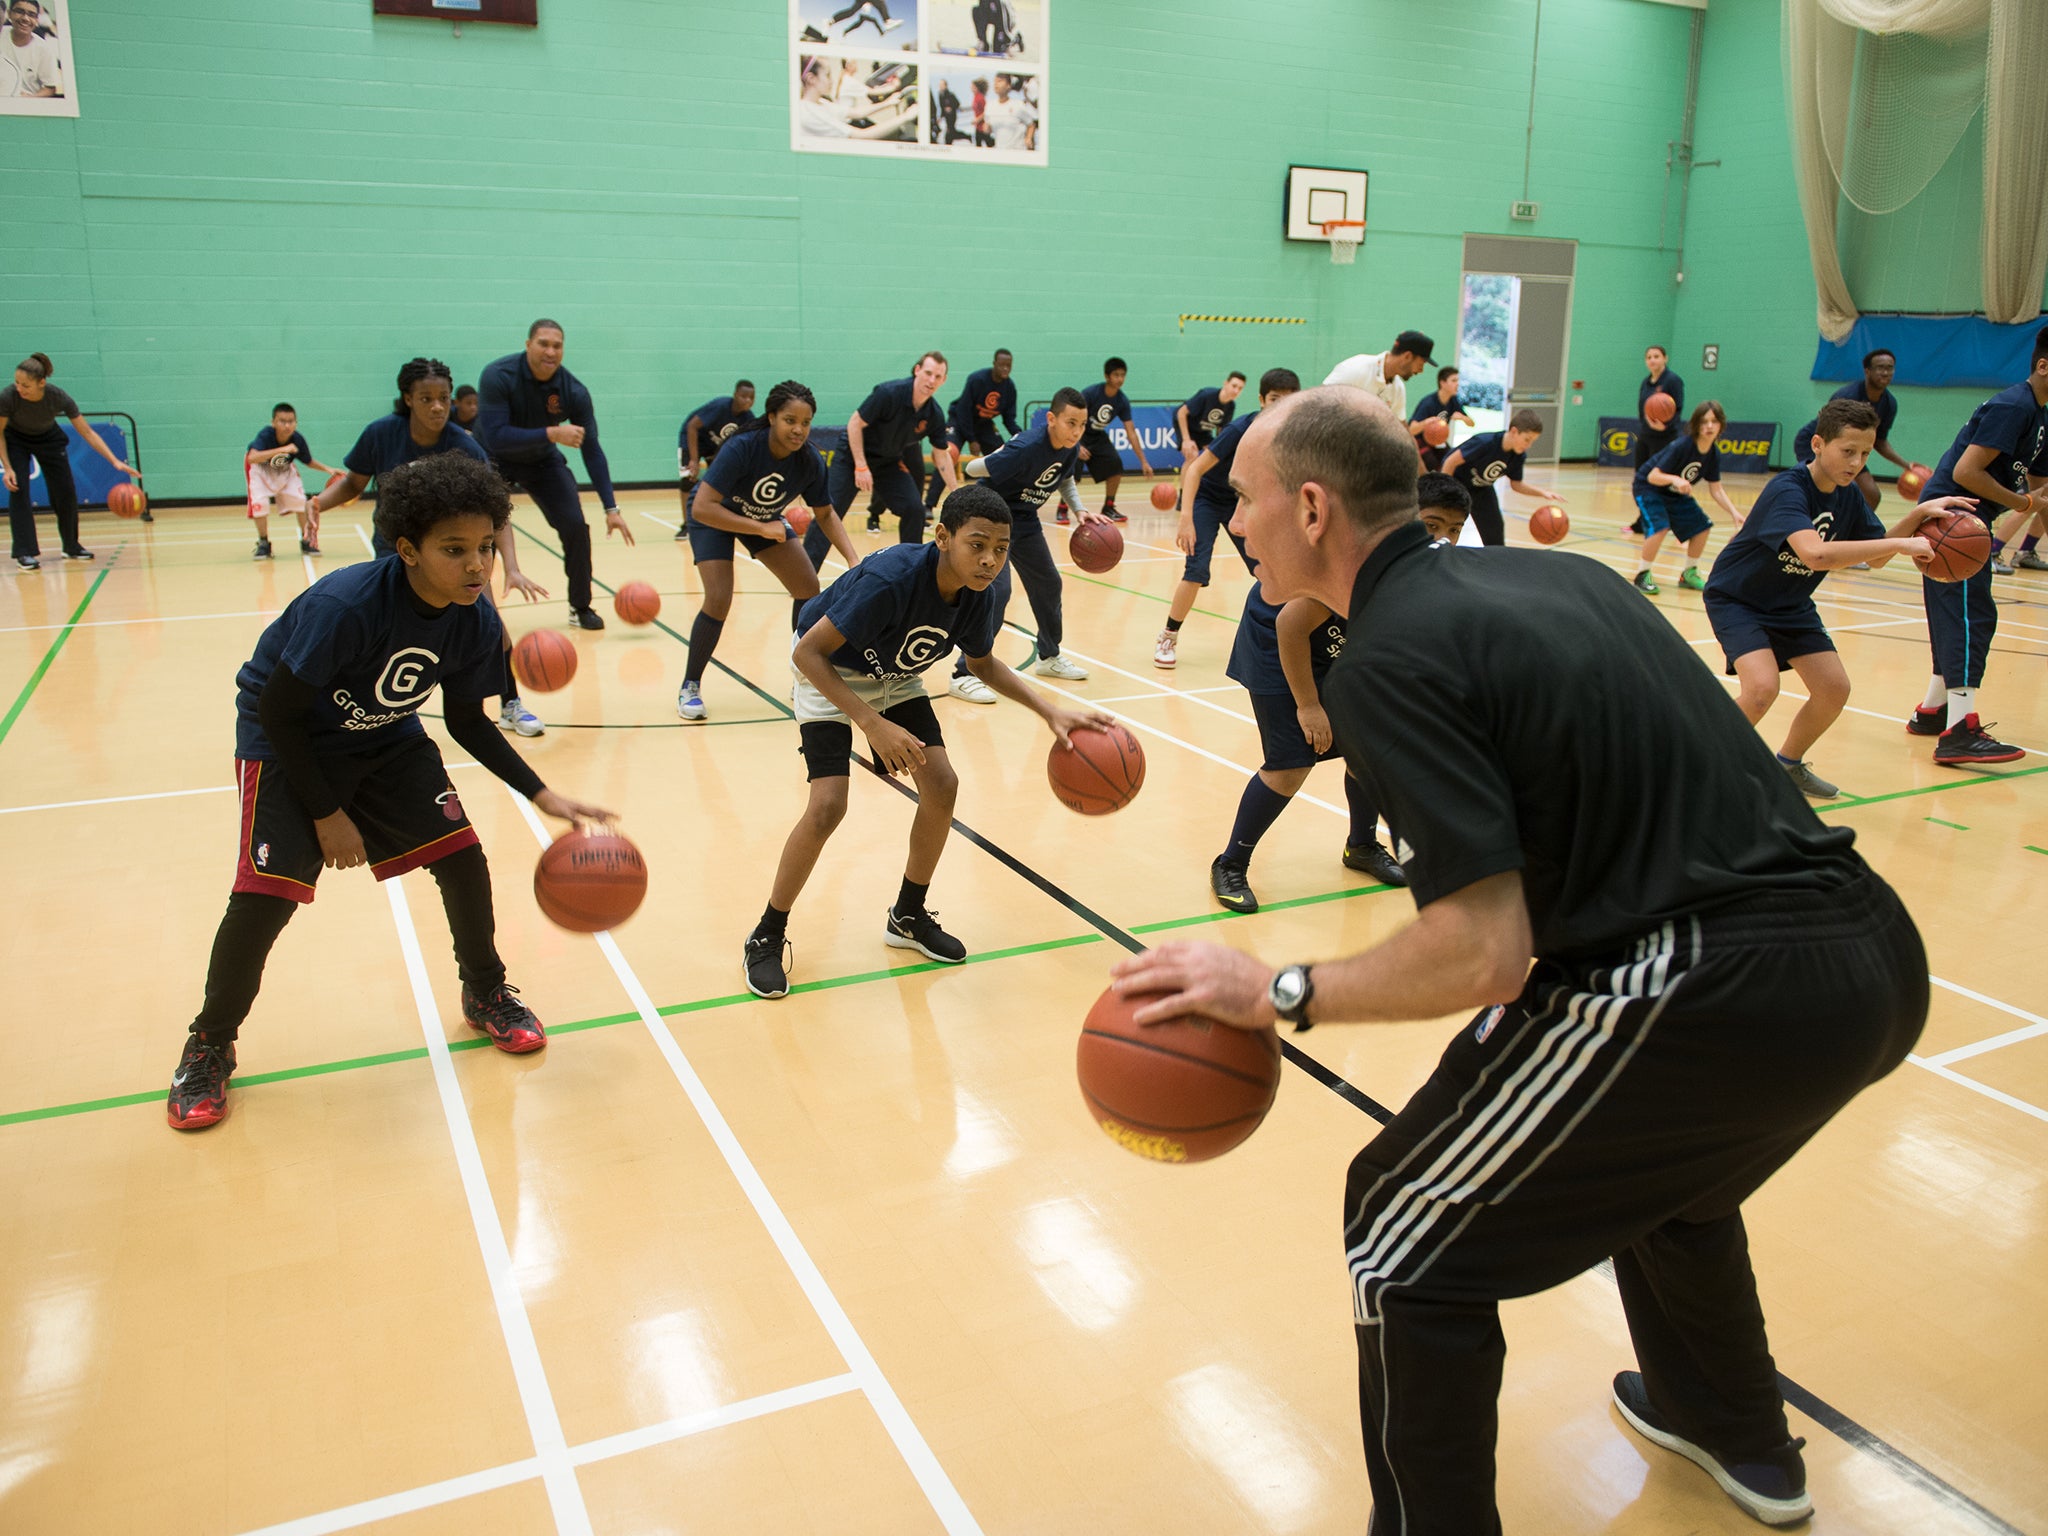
(857, 1260)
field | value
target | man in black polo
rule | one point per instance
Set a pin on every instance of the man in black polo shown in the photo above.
(879, 436)
(529, 407)
(1712, 979)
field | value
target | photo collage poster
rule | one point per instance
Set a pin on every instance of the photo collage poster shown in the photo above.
(36, 74)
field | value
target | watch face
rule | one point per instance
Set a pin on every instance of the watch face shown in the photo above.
(1287, 988)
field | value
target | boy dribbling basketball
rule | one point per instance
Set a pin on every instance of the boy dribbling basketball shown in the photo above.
(272, 462)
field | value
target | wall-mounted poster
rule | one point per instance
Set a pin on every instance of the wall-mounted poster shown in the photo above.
(36, 77)
(925, 79)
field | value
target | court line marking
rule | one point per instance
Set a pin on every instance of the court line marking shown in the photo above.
(367, 542)
(910, 1443)
(174, 618)
(162, 794)
(35, 678)
(2034, 1027)
(1995, 1094)
(543, 1422)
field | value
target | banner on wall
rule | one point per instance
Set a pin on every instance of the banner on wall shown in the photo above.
(1745, 445)
(95, 476)
(920, 79)
(1156, 430)
(1939, 351)
(36, 74)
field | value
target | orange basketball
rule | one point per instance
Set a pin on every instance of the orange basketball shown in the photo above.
(1961, 545)
(1102, 772)
(1659, 409)
(1096, 547)
(1436, 431)
(637, 602)
(589, 881)
(1164, 495)
(544, 660)
(1548, 524)
(1179, 1092)
(799, 518)
(1913, 480)
(127, 500)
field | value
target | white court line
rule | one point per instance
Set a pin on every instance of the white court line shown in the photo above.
(162, 794)
(367, 543)
(565, 1497)
(2035, 1026)
(448, 1491)
(175, 618)
(910, 1443)
(1985, 1089)
(312, 571)
(1164, 693)
(671, 527)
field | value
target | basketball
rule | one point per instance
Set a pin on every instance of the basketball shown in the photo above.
(589, 881)
(799, 518)
(1436, 431)
(1096, 547)
(637, 602)
(1102, 772)
(1913, 480)
(1961, 545)
(1548, 524)
(544, 660)
(1164, 495)
(126, 500)
(1183, 1091)
(1659, 409)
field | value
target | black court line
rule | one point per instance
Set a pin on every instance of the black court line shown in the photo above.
(1822, 1412)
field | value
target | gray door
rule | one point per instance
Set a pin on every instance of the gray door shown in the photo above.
(1542, 308)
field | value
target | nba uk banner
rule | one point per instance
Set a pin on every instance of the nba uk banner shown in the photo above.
(1745, 445)
(1156, 431)
(95, 476)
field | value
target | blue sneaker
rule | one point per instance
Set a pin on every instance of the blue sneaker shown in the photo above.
(1771, 1488)
(690, 703)
(515, 716)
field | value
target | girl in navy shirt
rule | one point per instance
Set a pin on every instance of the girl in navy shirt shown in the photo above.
(1667, 503)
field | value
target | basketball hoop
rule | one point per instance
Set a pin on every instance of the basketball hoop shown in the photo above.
(1344, 236)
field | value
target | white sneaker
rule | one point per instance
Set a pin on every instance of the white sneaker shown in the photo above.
(1060, 667)
(1165, 652)
(515, 716)
(690, 703)
(971, 688)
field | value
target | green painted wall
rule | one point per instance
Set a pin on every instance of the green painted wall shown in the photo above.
(283, 198)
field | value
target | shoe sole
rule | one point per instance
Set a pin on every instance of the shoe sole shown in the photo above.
(966, 698)
(1227, 904)
(897, 940)
(1165, 666)
(771, 996)
(1064, 677)
(519, 730)
(194, 1125)
(508, 1049)
(1972, 762)
(1755, 1505)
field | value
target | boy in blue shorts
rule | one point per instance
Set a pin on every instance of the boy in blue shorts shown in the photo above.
(335, 769)
(1667, 503)
(1806, 523)
(864, 645)
(1480, 462)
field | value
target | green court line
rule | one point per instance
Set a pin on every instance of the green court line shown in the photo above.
(56, 645)
(1150, 597)
(1856, 802)
(1265, 906)
(2032, 849)
(1940, 823)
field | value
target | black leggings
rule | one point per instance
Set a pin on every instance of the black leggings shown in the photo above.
(1030, 564)
(53, 451)
(253, 922)
(553, 489)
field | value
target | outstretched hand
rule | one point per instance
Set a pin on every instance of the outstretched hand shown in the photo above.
(1217, 982)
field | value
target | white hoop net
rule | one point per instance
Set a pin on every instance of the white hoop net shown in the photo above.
(1344, 241)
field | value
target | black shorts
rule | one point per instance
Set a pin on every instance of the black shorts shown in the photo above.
(827, 745)
(1103, 459)
(707, 544)
(1281, 737)
(399, 798)
(1742, 629)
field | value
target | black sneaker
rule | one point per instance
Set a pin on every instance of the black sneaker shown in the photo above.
(1927, 722)
(1229, 885)
(1061, 516)
(1966, 744)
(920, 931)
(27, 563)
(512, 1026)
(1771, 1488)
(199, 1088)
(305, 546)
(80, 554)
(262, 550)
(765, 962)
(586, 618)
(1109, 511)
(1373, 859)
(874, 522)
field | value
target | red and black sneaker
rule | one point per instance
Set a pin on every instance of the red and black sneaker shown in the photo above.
(1967, 744)
(1927, 722)
(199, 1088)
(512, 1026)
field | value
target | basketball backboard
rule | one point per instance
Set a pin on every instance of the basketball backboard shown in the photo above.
(1317, 194)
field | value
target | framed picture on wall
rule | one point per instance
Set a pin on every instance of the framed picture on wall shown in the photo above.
(36, 74)
(516, 13)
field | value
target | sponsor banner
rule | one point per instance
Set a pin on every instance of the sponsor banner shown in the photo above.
(1745, 445)
(95, 476)
(1155, 430)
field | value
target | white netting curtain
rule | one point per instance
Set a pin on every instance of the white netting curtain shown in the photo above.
(1880, 92)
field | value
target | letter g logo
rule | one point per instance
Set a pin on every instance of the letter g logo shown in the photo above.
(404, 683)
(767, 490)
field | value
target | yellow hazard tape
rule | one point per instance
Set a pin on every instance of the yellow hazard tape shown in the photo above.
(1243, 320)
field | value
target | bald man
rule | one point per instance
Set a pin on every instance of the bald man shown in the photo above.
(1670, 1002)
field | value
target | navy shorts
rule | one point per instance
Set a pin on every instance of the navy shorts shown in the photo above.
(1210, 518)
(1281, 738)
(1962, 618)
(1680, 514)
(827, 745)
(707, 544)
(1742, 629)
(1103, 459)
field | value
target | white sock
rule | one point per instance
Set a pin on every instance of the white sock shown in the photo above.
(1937, 694)
(1643, 565)
(1962, 703)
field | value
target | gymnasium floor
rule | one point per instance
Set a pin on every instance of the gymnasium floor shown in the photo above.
(857, 1261)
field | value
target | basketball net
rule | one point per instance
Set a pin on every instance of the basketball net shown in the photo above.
(1344, 236)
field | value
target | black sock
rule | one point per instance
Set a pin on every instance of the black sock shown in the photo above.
(1173, 625)
(508, 689)
(1257, 809)
(910, 899)
(796, 614)
(772, 921)
(1365, 816)
(247, 931)
(465, 881)
(704, 633)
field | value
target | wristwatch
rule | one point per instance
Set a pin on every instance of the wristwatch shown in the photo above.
(1290, 993)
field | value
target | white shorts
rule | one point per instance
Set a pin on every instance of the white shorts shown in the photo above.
(879, 694)
(267, 485)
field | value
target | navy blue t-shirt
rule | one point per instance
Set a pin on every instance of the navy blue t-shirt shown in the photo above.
(267, 442)
(1208, 415)
(1682, 459)
(1671, 384)
(387, 443)
(895, 623)
(985, 399)
(1484, 459)
(892, 423)
(1255, 655)
(1429, 405)
(1103, 407)
(2012, 423)
(1886, 405)
(757, 484)
(1027, 470)
(355, 638)
(1758, 568)
(515, 410)
(1214, 487)
(716, 422)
